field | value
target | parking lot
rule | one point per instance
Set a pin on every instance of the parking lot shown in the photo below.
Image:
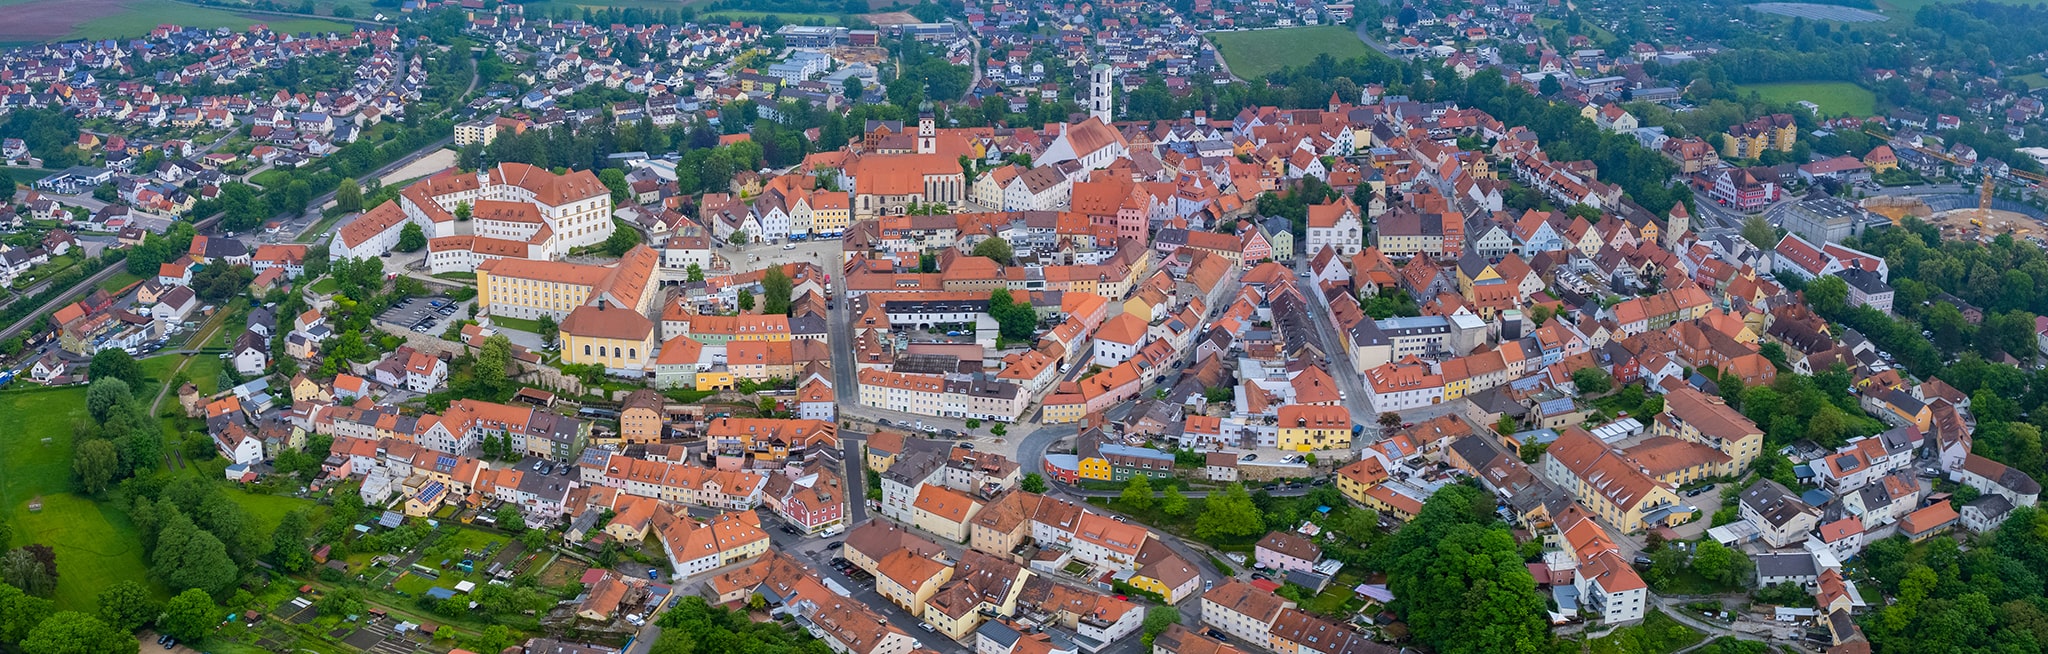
(426, 315)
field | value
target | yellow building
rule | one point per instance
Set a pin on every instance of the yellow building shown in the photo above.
(908, 579)
(717, 380)
(1308, 428)
(943, 512)
(1096, 468)
(830, 213)
(620, 339)
(1355, 479)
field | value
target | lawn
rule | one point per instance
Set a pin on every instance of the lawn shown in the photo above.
(326, 286)
(318, 229)
(268, 510)
(1658, 634)
(138, 18)
(1253, 54)
(756, 16)
(2034, 80)
(119, 281)
(521, 324)
(1833, 97)
(96, 545)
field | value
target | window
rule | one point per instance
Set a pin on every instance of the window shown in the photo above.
(586, 350)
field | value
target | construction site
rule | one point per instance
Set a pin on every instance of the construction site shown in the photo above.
(1982, 220)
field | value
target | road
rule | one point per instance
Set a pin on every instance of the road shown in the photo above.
(1339, 363)
(61, 300)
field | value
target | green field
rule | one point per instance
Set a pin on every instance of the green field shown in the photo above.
(756, 16)
(1253, 54)
(1656, 634)
(139, 17)
(96, 544)
(1833, 97)
(2034, 80)
(521, 324)
(119, 281)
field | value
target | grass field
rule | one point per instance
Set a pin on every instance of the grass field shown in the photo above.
(268, 510)
(1657, 634)
(1833, 97)
(119, 281)
(144, 15)
(96, 545)
(2034, 80)
(1253, 54)
(521, 324)
(756, 16)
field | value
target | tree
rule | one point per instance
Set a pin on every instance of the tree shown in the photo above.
(775, 289)
(1760, 233)
(1157, 620)
(288, 543)
(1550, 86)
(463, 212)
(1717, 563)
(1172, 503)
(1033, 483)
(996, 248)
(72, 632)
(550, 331)
(510, 519)
(696, 273)
(6, 186)
(126, 605)
(615, 179)
(622, 239)
(1231, 515)
(107, 395)
(96, 463)
(188, 557)
(746, 300)
(739, 238)
(115, 363)
(1460, 581)
(411, 238)
(189, 616)
(20, 612)
(348, 196)
(1015, 322)
(1592, 381)
(1390, 420)
(492, 361)
(1137, 496)
(21, 569)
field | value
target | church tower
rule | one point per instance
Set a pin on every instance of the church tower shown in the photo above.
(1099, 104)
(927, 130)
(1675, 227)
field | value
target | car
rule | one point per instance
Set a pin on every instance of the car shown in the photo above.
(955, 332)
(1261, 576)
(171, 644)
(792, 246)
(840, 560)
(1208, 584)
(790, 530)
(948, 433)
(1249, 456)
(1218, 635)
(1302, 274)
(966, 446)
(930, 430)
(1123, 598)
(537, 465)
(927, 626)
(835, 544)
(884, 422)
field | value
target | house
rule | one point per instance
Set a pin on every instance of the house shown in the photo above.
(1243, 611)
(1287, 551)
(251, 353)
(1780, 517)
(1928, 522)
(174, 306)
(1985, 513)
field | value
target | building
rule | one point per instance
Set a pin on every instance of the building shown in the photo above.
(1312, 428)
(1244, 612)
(1282, 550)
(1781, 518)
(1613, 487)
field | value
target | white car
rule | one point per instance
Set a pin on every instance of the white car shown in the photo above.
(789, 246)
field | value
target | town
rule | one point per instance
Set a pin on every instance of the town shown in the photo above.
(1210, 327)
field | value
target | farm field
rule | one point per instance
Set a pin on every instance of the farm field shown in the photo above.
(96, 544)
(1253, 54)
(1833, 97)
(32, 21)
(756, 16)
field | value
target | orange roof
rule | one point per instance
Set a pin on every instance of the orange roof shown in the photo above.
(1125, 328)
